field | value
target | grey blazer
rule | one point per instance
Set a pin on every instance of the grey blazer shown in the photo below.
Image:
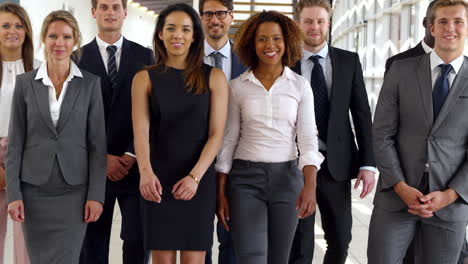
(407, 139)
(78, 142)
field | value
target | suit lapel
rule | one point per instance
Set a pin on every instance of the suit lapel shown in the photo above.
(458, 85)
(68, 102)
(41, 93)
(425, 87)
(97, 65)
(336, 67)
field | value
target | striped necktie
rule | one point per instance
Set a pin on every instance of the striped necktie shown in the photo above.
(112, 64)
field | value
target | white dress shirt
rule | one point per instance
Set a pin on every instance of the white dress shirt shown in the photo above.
(262, 125)
(425, 47)
(435, 70)
(226, 60)
(10, 70)
(54, 102)
(103, 50)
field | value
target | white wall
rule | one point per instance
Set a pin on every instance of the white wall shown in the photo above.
(138, 25)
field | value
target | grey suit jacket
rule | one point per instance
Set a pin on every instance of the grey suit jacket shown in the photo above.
(78, 142)
(407, 139)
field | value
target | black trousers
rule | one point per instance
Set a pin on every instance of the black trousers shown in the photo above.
(334, 202)
(96, 244)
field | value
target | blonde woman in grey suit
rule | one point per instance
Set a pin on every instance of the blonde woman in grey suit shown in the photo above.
(56, 160)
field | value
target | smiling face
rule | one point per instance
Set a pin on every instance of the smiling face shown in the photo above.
(12, 31)
(269, 44)
(109, 15)
(59, 41)
(450, 29)
(177, 34)
(216, 28)
(315, 23)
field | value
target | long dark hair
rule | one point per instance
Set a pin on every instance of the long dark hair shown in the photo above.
(27, 49)
(194, 78)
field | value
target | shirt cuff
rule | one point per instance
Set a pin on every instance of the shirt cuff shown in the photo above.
(368, 168)
(314, 158)
(130, 154)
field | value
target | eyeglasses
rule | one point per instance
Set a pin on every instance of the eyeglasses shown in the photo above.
(221, 14)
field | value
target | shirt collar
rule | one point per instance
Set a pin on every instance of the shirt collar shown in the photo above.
(322, 53)
(225, 50)
(436, 61)
(425, 47)
(103, 45)
(249, 75)
(42, 73)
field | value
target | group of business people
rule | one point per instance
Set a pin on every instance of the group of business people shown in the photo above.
(74, 138)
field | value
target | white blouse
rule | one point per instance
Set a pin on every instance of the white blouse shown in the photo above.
(10, 70)
(54, 102)
(263, 125)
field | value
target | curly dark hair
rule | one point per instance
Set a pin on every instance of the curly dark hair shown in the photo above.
(244, 40)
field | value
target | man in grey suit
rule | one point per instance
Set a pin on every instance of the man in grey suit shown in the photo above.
(421, 140)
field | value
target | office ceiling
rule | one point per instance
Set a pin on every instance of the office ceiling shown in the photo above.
(158, 5)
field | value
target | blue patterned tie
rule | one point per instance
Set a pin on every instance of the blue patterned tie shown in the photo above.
(112, 64)
(322, 105)
(441, 88)
(217, 58)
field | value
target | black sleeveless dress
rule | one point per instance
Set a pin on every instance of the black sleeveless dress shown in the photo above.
(178, 133)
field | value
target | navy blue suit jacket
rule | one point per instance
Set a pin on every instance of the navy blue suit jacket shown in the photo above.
(118, 101)
(237, 68)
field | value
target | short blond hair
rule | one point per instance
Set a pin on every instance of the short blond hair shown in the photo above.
(312, 3)
(68, 18)
(446, 3)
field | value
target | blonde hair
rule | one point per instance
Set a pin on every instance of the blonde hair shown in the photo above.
(69, 19)
(446, 3)
(312, 3)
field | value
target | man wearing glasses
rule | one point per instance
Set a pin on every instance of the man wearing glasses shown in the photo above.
(217, 16)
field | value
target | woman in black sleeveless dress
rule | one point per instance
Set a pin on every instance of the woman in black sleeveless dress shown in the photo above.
(179, 113)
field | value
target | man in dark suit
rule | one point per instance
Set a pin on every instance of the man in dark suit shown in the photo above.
(337, 82)
(216, 17)
(116, 60)
(425, 46)
(420, 130)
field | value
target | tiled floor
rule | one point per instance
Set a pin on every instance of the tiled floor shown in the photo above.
(362, 209)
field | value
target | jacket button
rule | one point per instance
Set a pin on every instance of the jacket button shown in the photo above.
(431, 138)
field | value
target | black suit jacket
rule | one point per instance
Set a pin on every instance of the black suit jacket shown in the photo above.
(417, 50)
(117, 101)
(348, 93)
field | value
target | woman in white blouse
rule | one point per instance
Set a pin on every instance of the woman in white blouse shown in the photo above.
(270, 107)
(17, 55)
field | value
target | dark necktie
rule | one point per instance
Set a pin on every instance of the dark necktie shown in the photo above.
(218, 59)
(441, 88)
(111, 64)
(322, 105)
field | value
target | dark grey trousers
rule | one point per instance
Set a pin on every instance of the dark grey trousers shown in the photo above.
(390, 233)
(262, 200)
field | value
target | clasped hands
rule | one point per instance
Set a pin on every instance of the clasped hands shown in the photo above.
(118, 167)
(151, 189)
(424, 205)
